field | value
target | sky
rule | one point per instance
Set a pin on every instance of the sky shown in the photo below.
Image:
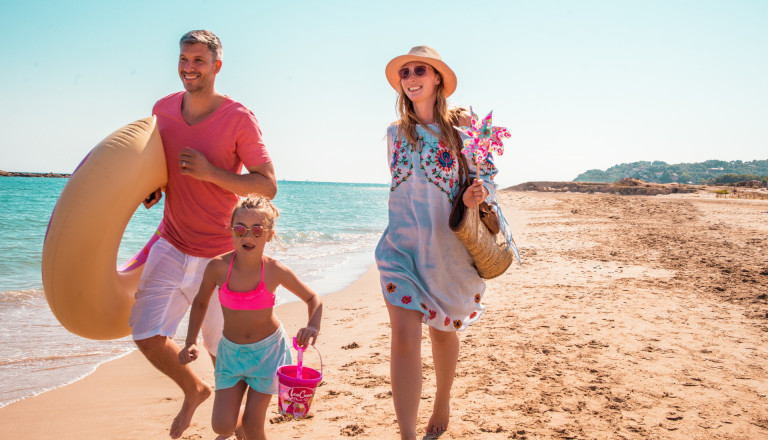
(579, 84)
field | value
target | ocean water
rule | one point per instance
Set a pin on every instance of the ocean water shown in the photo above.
(329, 231)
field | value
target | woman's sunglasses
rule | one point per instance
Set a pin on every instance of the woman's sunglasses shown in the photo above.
(405, 72)
(256, 230)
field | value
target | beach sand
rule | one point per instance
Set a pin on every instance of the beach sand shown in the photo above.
(632, 317)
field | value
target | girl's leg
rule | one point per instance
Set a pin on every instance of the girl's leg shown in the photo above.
(445, 353)
(226, 409)
(405, 367)
(255, 415)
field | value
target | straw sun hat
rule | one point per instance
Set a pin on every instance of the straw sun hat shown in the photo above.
(426, 55)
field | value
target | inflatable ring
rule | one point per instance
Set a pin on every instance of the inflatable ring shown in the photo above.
(86, 292)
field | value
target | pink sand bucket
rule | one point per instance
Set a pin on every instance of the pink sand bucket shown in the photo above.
(297, 386)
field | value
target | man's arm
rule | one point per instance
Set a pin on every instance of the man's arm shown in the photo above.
(260, 178)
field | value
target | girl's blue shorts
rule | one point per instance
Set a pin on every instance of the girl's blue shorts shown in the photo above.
(256, 363)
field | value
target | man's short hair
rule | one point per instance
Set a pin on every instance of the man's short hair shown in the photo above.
(204, 37)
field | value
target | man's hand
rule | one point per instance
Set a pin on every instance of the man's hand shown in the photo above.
(194, 164)
(153, 198)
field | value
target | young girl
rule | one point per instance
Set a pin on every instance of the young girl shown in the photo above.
(426, 273)
(253, 344)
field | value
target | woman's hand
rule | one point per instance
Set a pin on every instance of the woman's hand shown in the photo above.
(304, 335)
(188, 354)
(475, 194)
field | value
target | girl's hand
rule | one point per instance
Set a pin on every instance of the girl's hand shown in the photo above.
(475, 194)
(305, 334)
(188, 354)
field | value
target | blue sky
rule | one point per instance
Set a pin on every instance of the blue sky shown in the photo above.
(579, 84)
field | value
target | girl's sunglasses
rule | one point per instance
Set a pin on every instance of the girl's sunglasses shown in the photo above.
(256, 230)
(405, 72)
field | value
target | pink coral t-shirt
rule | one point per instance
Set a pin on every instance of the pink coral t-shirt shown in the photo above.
(197, 213)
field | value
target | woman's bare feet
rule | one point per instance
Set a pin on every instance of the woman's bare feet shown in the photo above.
(191, 402)
(438, 422)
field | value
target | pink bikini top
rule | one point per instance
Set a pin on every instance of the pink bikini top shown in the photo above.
(256, 299)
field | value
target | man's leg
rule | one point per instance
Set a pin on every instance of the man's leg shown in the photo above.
(160, 306)
(163, 353)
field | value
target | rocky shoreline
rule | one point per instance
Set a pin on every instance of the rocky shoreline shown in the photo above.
(622, 187)
(18, 174)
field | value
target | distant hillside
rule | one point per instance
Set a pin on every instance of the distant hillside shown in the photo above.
(689, 173)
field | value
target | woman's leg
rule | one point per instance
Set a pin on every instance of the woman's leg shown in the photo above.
(255, 415)
(445, 353)
(405, 367)
(226, 409)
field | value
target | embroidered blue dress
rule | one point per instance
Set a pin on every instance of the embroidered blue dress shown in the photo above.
(423, 265)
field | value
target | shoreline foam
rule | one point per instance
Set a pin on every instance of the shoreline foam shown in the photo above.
(336, 280)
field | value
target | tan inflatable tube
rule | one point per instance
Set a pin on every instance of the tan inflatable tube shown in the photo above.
(84, 289)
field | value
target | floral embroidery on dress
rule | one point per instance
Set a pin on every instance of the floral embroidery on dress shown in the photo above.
(472, 315)
(391, 287)
(406, 299)
(401, 166)
(447, 321)
(477, 298)
(424, 306)
(440, 167)
(432, 314)
(457, 324)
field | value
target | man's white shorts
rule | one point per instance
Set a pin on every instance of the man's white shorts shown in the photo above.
(169, 284)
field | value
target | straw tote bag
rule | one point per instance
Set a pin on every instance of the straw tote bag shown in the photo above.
(479, 230)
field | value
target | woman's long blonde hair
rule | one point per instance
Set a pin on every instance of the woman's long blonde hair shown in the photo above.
(445, 118)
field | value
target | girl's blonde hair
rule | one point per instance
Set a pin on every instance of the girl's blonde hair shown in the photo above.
(445, 118)
(259, 203)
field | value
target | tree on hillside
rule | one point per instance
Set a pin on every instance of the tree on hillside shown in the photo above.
(666, 177)
(657, 171)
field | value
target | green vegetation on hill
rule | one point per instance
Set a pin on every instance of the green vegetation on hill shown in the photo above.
(693, 173)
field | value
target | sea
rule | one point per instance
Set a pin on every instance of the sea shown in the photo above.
(328, 232)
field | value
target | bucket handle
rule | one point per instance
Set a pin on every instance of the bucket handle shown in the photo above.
(321, 359)
(301, 350)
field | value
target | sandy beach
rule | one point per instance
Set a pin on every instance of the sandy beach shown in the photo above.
(632, 317)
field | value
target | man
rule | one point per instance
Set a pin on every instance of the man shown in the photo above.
(207, 138)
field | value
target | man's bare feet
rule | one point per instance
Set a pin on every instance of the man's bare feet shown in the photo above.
(438, 422)
(191, 402)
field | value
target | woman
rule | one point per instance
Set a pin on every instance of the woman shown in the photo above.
(426, 273)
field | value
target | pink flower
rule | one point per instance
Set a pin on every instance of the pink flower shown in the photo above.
(406, 299)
